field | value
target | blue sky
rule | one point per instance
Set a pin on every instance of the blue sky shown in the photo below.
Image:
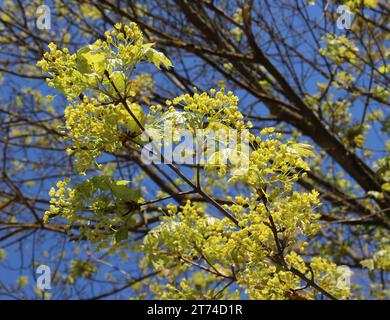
(18, 256)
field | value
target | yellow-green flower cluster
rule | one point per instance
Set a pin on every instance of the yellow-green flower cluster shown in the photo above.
(293, 215)
(62, 67)
(257, 247)
(98, 80)
(358, 4)
(340, 49)
(380, 259)
(61, 201)
(102, 208)
(216, 106)
(273, 161)
(199, 286)
(81, 268)
(191, 237)
(95, 128)
(86, 69)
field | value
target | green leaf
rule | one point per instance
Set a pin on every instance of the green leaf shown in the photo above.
(122, 182)
(117, 79)
(139, 113)
(157, 58)
(386, 186)
(371, 275)
(102, 182)
(71, 91)
(125, 193)
(90, 61)
(303, 149)
(129, 221)
(121, 234)
(368, 263)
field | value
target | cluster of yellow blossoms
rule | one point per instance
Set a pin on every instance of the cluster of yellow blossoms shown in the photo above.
(340, 49)
(258, 247)
(94, 128)
(103, 209)
(190, 239)
(216, 106)
(104, 72)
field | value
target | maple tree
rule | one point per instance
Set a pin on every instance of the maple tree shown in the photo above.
(310, 195)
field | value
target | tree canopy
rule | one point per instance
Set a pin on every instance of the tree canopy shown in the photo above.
(278, 116)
